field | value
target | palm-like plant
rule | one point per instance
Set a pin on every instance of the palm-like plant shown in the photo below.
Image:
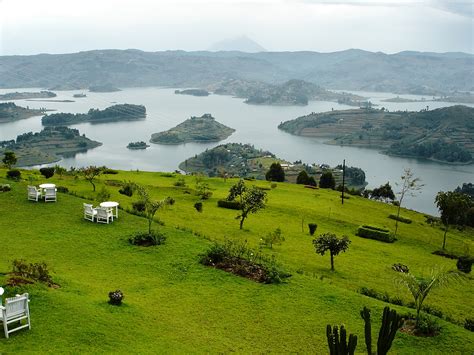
(420, 287)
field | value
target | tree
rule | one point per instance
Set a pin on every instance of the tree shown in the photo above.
(47, 172)
(453, 207)
(271, 238)
(251, 200)
(151, 206)
(60, 171)
(409, 185)
(383, 192)
(420, 287)
(92, 172)
(9, 159)
(275, 173)
(302, 178)
(330, 242)
(326, 181)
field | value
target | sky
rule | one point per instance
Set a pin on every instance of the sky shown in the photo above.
(390, 26)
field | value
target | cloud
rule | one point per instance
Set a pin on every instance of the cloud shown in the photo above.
(463, 8)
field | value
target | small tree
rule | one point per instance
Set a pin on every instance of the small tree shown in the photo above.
(90, 173)
(60, 171)
(420, 287)
(326, 181)
(302, 178)
(151, 206)
(275, 173)
(237, 190)
(409, 185)
(9, 159)
(271, 238)
(330, 242)
(383, 192)
(47, 172)
(453, 207)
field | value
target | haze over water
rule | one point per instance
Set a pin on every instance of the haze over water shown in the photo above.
(256, 125)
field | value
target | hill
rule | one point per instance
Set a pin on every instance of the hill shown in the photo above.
(194, 129)
(10, 112)
(240, 44)
(174, 304)
(27, 95)
(416, 73)
(445, 134)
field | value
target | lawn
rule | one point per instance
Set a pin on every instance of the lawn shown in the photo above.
(174, 304)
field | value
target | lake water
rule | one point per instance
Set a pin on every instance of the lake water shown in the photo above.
(254, 124)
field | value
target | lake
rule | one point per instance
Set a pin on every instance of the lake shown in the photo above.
(254, 124)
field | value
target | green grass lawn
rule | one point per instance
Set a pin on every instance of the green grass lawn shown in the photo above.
(174, 304)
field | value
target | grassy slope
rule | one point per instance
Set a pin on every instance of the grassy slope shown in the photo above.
(175, 304)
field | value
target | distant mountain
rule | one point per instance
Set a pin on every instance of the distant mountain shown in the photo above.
(353, 69)
(240, 44)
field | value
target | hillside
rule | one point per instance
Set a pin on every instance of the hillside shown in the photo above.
(445, 134)
(47, 146)
(416, 73)
(10, 112)
(194, 129)
(174, 304)
(27, 95)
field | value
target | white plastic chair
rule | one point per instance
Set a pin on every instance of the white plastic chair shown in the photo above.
(104, 215)
(90, 212)
(50, 194)
(15, 310)
(33, 193)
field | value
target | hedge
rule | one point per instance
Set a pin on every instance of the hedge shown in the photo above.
(376, 233)
(400, 218)
(232, 205)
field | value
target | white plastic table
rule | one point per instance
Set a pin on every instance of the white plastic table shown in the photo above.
(110, 204)
(47, 186)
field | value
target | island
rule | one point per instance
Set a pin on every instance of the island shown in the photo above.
(122, 112)
(444, 134)
(103, 88)
(26, 95)
(399, 99)
(47, 146)
(10, 112)
(292, 92)
(137, 145)
(193, 92)
(195, 129)
(78, 96)
(246, 161)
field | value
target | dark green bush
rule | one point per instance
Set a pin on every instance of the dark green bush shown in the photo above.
(469, 324)
(400, 218)
(312, 228)
(464, 264)
(5, 187)
(31, 271)
(369, 292)
(232, 205)
(138, 206)
(446, 254)
(427, 326)
(14, 174)
(375, 233)
(116, 297)
(62, 189)
(110, 171)
(47, 172)
(127, 190)
(198, 206)
(148, 239)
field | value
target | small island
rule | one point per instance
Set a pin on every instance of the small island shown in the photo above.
(195, 129)
(137, 145)
(10, 112)
(27, 95)
(79, 96)
(47, 146)
(103, 88)
(193, 92)
(123, 112)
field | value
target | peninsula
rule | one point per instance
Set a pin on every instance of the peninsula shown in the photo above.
(193, 92)
(47, 146)
(27, 95)
(10, 112)
(195, 129)
(445, 134)
(122, 112)
(103, 88)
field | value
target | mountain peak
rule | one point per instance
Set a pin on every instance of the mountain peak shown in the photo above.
(241, 44)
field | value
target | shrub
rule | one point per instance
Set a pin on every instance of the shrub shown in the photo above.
(470, 217)
(312, 228)
(103, 195)
(375, 233)
(148, 239)
(433, 311)
(400, 218)
(14, 174)
(469, 324)
(198, 206)
(273, 185)
(326, 181)
(127, 189)
(232, 205)
(271, 238)
(446, 254)
(139, 206)
(369, 292)
(400, 268)
(464, 264)
(62, 189)
(427, 326)
(109, 171)
(116, 297)
(180, 182)
(32, 271)
(5, 187)
(47, 172)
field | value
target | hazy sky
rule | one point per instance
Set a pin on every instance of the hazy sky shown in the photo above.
(60, 26)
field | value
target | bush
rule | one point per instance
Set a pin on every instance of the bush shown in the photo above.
(32, 271)
(109, 171)
(312, 228)
(445, 254)
(198, 206)
(14, 174)
(427, 326)
(103, 195)
(470, 217)
(469, 324)
(464, 264)
(127, 189)
(148, 239)
(273, 185)
(62, 189)
(400, 218)
(400, 268)
(180, 182)
(5, 187)
(47, 172)
(138, 206)
(326, 181)
(232, 205)
(116, 297)
(369, 292)
(271, 238)
(375, 233)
